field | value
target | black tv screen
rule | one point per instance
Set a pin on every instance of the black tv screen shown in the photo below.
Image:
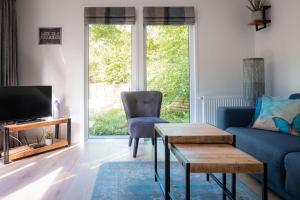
(25, 102)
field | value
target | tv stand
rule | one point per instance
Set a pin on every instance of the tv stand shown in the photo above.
(25, 151)
(30, 121)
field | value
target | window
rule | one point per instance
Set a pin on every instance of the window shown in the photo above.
(116, 62)
(109, 67)
(167, 52)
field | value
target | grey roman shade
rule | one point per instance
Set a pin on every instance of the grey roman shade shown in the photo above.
(109, 15)
(169, 15)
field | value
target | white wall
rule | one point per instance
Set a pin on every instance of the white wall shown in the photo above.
(224, 39)
(279, 44)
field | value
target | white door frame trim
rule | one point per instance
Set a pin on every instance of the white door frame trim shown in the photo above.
(138, 72)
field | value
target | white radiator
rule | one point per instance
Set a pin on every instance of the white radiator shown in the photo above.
(210, 105)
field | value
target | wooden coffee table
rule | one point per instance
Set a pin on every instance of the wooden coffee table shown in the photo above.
(202, 148)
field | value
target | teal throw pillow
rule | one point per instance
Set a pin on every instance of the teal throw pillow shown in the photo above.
(257, 110)
(279, 115)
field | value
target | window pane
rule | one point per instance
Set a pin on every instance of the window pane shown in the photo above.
(109, 74)
(168, 69)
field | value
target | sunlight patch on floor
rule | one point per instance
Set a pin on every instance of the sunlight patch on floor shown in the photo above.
(17, 170)
(114, 157)
(64, 179)
(61, 151)
(40, 187)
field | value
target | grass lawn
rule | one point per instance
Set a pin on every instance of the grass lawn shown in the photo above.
(114, 121)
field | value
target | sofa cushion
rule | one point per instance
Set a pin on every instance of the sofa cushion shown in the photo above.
(143, 127)
(292, 167)
(270, 147)
(295, 96)
(234, 117)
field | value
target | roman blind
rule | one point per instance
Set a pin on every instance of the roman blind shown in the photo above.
(169, 15)
(109, 15)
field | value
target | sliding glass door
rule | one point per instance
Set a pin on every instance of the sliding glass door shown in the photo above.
(167, 63)
(109, 73)
(125, 51)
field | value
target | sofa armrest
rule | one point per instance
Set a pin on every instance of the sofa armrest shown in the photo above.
(234, 117)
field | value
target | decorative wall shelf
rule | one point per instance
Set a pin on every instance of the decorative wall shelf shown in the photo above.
(261, 24)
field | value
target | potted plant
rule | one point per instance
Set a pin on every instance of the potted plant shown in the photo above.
(256, 7)
(48, 139)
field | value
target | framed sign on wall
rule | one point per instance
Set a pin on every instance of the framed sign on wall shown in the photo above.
(50, 36)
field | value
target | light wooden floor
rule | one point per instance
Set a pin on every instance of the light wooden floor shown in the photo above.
(70, 173)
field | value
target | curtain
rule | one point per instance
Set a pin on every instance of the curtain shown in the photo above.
(169, 15)
(8, 43)
(109, 15)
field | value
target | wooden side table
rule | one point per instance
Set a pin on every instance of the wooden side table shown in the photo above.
(185, 134)
(203, 148)
(25, 151)
(218, 158)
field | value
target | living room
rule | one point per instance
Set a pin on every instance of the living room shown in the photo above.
(89, 57)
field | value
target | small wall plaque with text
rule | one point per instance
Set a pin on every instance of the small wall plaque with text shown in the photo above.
(49, 35)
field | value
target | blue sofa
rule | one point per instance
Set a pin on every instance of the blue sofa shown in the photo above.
(281, 152)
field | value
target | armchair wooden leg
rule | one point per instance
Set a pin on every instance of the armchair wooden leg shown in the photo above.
(152, 139)
(136, 143)
(130, 141)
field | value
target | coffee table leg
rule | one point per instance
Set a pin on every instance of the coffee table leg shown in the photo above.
(207, 177)
(187, 181)
(155, 155)
(224, 185)
(233, 183)
(265, 183)
(233, 186)
(167, 169)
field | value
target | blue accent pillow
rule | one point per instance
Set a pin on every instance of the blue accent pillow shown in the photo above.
(288, 128)
(257, 111)
(279, 115)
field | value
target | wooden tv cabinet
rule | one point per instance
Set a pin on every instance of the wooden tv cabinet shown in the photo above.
(25, 151)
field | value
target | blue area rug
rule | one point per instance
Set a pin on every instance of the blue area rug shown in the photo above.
(135, 181)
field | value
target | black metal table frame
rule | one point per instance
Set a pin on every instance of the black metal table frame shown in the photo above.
(186, 165)
(6, 134)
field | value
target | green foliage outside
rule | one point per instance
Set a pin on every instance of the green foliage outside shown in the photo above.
(113, 122)
(167, 69)
(109, 62)
(109, 55)
(109, 123)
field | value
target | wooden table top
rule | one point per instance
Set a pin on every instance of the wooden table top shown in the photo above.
(216, 158)
(193, 133)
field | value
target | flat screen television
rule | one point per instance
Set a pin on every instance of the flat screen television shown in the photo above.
(23, 103)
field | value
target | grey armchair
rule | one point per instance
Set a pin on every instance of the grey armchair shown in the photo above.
(142, 111)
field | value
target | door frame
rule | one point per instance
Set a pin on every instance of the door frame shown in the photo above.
(138, 70)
